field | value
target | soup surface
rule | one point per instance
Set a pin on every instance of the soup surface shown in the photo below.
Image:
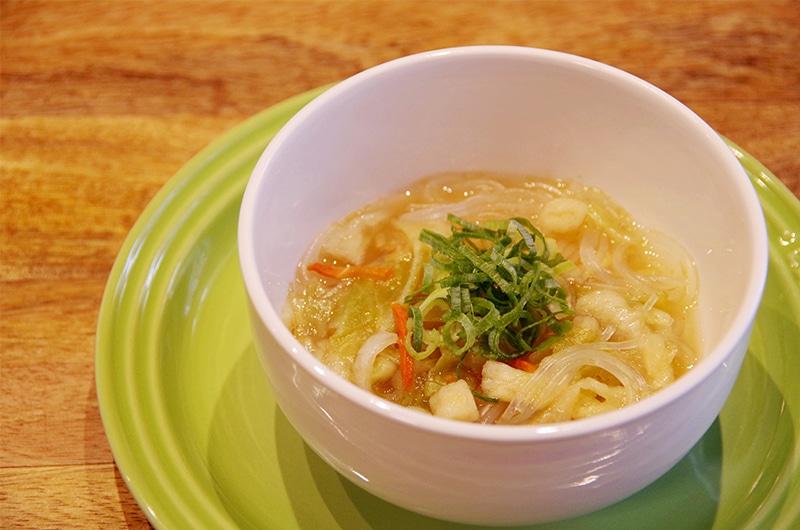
(498, 299)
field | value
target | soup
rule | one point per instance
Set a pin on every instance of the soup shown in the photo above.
(495, 299)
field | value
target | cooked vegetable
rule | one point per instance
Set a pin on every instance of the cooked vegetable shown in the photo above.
(406, 362)
(339, 272)
(497, 300)
(494, 289)
(364, 366)
(521, 364)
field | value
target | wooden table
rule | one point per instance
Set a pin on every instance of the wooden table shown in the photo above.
(103, 101)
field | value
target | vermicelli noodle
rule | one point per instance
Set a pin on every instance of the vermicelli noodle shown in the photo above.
(497, 299)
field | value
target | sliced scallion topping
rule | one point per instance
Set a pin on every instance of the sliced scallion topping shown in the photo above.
(491, 289)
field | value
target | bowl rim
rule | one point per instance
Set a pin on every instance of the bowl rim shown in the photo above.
(716, 357)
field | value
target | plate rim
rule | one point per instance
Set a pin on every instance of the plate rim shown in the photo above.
(280, 112)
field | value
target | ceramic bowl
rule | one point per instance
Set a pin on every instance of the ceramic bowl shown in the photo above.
(512, 110)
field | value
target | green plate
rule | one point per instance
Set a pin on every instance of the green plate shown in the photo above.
(200, 442)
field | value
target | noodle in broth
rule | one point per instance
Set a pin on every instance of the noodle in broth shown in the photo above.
(615, 320)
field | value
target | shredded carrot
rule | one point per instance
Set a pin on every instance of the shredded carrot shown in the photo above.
(406, 361)
(522, 364)
(352, 271)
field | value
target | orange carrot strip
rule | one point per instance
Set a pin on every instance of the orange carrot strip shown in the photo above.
(331, 271)
(352, 271)
(406, 361)
(522, 364)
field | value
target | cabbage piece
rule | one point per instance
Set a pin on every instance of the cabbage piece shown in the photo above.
(359, 321)
(348, 242)
(364, 364)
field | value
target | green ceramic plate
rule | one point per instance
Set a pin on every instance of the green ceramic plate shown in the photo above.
(200, 442)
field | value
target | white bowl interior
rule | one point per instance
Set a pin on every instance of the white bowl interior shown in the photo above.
(518, 111)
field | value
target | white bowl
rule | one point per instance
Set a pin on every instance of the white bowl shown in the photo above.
(513, 110)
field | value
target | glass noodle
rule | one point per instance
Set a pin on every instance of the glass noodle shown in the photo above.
(498, 299)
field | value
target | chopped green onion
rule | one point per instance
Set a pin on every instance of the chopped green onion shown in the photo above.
(495, 288)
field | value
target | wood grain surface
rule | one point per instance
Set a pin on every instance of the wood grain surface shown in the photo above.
(101, 102)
